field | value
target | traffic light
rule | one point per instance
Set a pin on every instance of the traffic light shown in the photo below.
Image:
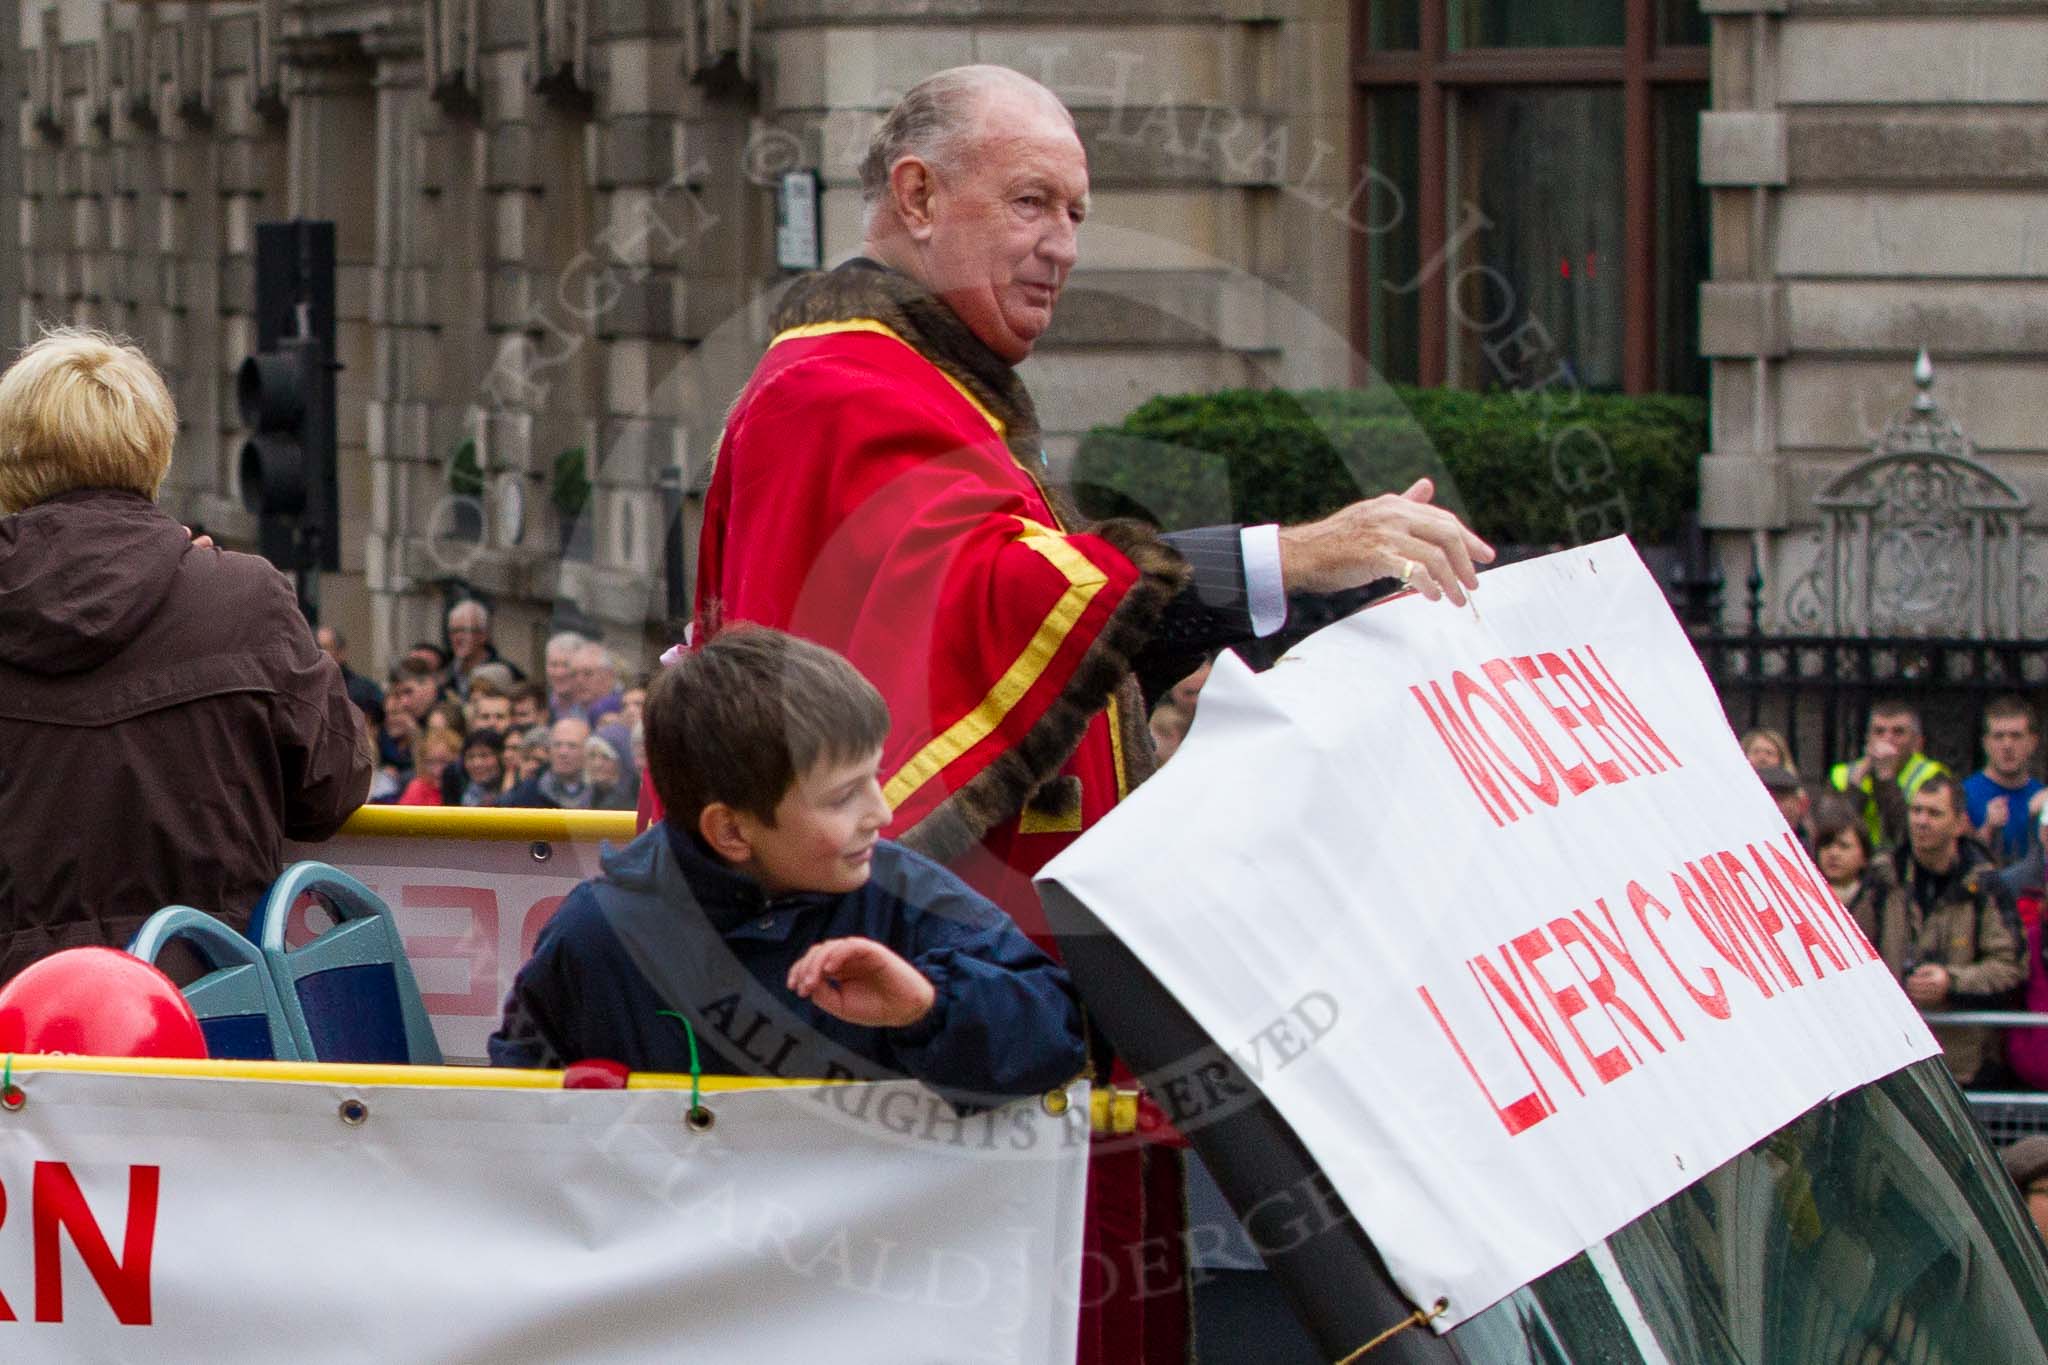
(286, 467)
(287, 462)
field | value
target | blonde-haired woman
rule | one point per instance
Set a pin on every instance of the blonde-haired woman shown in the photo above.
(166, 720)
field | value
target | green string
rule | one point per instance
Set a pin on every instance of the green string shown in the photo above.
(7, 1079)
(696, 1067)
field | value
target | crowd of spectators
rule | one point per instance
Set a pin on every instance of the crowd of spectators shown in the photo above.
(460, 725)
(1943, 873)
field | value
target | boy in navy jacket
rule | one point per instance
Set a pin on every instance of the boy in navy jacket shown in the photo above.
(766, 910)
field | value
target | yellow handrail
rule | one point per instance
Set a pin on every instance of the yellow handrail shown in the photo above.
(1109, 1111)
(489, 822)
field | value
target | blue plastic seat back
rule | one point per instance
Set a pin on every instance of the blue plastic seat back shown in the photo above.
(237, 1003)
(349, 993)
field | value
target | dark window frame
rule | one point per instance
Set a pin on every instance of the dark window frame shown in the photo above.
(1437, 72)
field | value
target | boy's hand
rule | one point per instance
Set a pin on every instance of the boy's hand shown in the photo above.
(862, 982)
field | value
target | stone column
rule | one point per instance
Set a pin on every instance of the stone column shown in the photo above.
(1878, 175)
(11, 330)
(1743, 146)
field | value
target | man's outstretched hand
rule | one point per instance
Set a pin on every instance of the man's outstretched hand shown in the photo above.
(1391, 536)
(862, 982)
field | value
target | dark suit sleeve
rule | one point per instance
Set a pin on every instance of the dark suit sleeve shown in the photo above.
(1213, 612)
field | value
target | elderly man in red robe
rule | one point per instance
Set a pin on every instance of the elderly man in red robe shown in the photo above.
(881, 489)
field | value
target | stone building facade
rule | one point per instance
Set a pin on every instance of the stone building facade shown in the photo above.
(555, 228)
(1879, 181)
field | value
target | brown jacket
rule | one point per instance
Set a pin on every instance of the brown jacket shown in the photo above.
(1973, 931)
(166, 722)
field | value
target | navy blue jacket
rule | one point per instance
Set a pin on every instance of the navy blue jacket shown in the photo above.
(668, 926)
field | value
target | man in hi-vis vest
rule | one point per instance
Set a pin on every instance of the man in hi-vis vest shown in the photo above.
(1892, 768)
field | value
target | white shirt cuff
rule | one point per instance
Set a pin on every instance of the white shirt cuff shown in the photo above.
(1264, 589)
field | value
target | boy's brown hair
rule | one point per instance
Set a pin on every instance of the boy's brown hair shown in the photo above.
(739, 719)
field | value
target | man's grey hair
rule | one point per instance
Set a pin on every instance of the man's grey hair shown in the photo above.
(564, 644)
(469, 606)
(931, 121)
(594, 652)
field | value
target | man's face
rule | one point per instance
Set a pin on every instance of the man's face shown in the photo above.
(484, 767)
(324, 637)
(593, 675)
(1001, 236)
(490, 713)
(414, 696)
(1898, 731)
(2009, 746)
(565, 749)
(527, 713)
(468, 636)
(560, 669)
(825, 829)
(1933, 824)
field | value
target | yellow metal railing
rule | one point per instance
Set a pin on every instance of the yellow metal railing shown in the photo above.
(1109, 1111)
(487, 822)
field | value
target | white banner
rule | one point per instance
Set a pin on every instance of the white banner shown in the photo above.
(179, 1218)
(1490, 906)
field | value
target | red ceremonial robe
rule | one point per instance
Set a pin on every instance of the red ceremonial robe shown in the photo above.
(878, 490)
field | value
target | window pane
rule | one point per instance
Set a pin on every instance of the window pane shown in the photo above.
(1536, 23)
(1392, 237)
(1536, 215)
(1681, 239)
(1871, 1228)
(1681, 24)
(1395, 25)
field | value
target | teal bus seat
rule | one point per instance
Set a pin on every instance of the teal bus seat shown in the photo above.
(348, 994)
(236, 1001)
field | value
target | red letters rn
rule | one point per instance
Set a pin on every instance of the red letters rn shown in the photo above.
(1499, 744)
(56, 1202)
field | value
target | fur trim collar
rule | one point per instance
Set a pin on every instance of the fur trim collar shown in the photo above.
(1027, 773)
(864, 289)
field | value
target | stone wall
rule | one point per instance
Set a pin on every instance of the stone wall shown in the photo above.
(1878, 170)
(555, 233)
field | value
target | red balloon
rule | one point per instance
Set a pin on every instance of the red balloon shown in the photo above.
(97, 1002)
(595, 1073)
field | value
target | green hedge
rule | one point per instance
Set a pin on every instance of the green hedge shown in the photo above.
(1534, 469)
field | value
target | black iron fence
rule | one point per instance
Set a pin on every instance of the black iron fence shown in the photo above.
(1818, 690)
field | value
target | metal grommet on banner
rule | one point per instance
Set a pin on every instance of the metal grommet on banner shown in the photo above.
(354, 1112)
(12, 1096)
(1055, 1103)
(541, 850)
(696, 1117)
